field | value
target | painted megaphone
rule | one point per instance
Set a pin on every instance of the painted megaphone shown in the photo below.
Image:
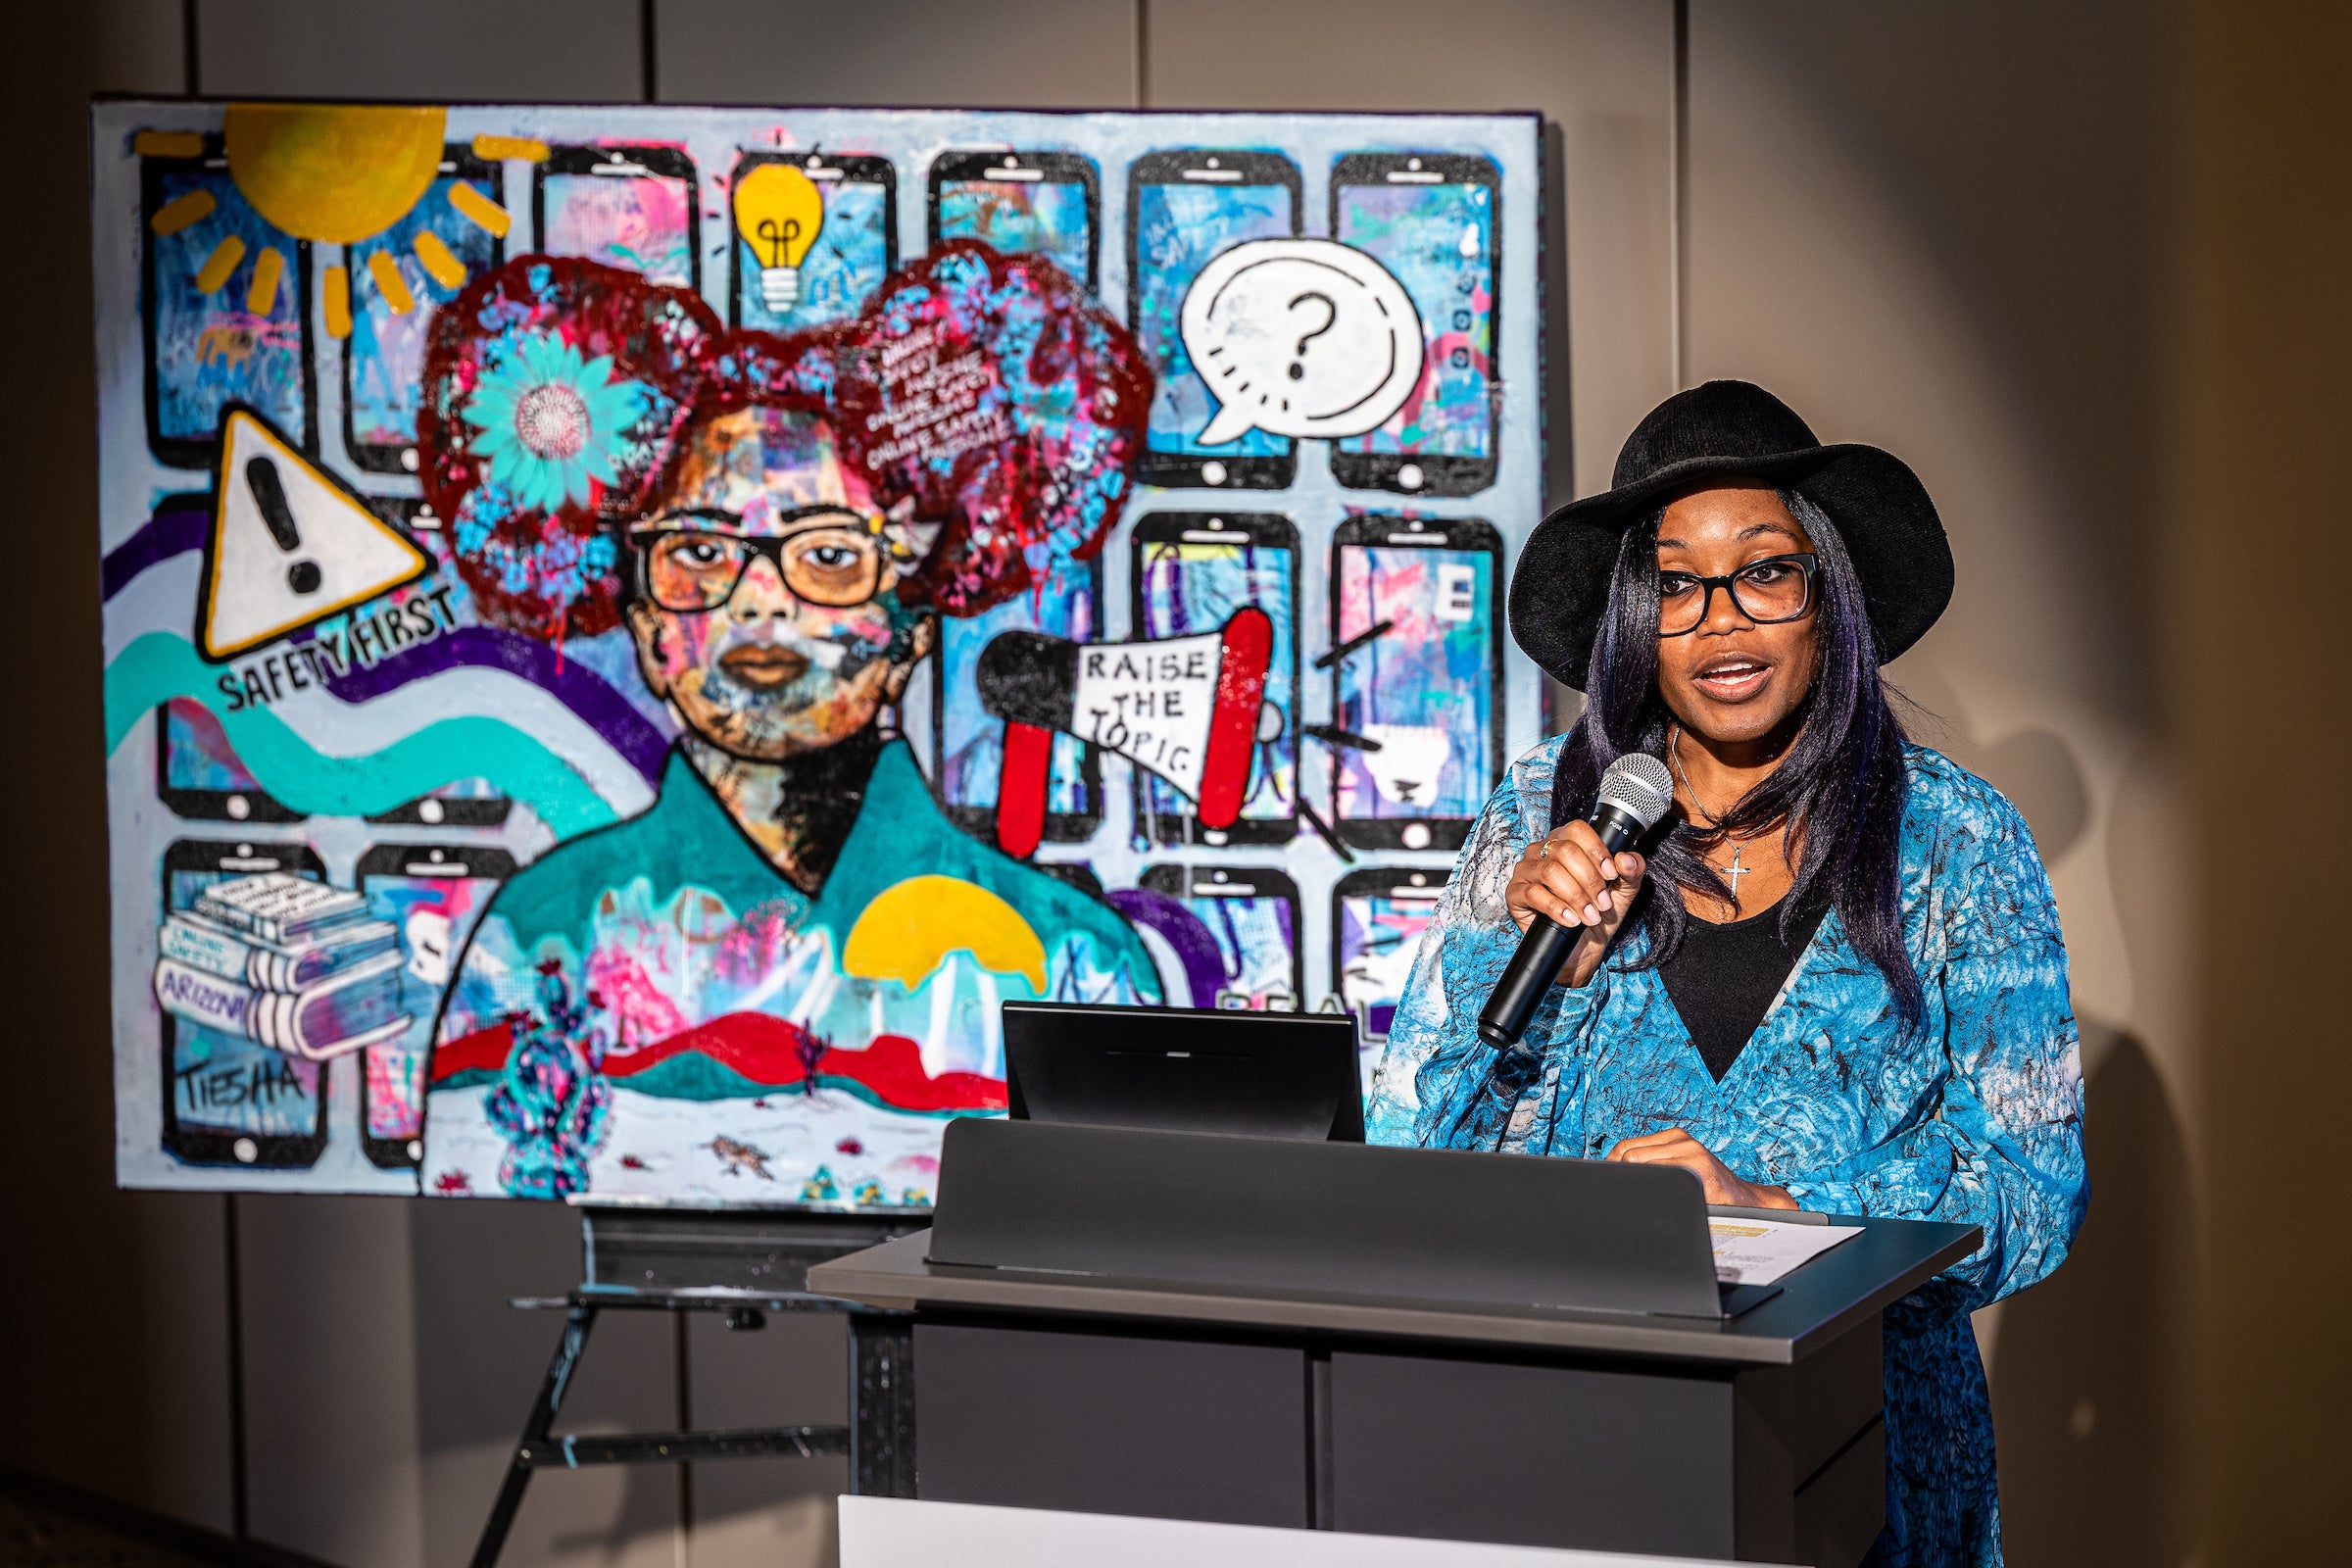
(1188, 709)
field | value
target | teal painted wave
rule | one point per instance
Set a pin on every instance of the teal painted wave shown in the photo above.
(160, 666)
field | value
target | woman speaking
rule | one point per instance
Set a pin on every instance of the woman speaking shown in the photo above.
(1836, 981)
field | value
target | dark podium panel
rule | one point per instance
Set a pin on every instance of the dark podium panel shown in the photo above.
(1346, 1219)
(1143, 1323)
(1102, 1423)
(1530, 1456)
(1692, 1460)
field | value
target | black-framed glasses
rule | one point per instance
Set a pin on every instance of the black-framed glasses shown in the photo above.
(1776, 588)
(835, 561)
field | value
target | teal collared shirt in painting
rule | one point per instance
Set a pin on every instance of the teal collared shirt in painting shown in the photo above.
(687, 837)
(654, 1012)
(1979, 1121)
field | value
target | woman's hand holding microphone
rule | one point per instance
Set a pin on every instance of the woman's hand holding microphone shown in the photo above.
(1568, 878)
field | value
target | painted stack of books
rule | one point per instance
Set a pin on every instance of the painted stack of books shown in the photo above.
(292, 963)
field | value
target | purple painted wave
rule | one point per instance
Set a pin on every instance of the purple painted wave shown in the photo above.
(568, 681)
(159, 539)
(1196, 948)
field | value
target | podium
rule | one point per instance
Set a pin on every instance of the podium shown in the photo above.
(1387, 1342)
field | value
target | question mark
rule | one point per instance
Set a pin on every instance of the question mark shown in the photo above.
(1331, 314)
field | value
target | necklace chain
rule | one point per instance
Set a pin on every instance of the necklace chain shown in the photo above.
(1735, 871)
(1674, 756)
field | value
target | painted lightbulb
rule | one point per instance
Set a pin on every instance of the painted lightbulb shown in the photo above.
(779, 212)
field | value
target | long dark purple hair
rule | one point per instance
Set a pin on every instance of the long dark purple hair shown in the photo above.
(1839, 788)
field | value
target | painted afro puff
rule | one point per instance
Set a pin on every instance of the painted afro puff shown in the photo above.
(992, 410)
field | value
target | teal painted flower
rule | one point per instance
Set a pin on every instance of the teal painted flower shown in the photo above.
(550, 420)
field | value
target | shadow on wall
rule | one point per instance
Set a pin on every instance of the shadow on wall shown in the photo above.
(2088, 1398)
(2038, 773)
(2035, 767)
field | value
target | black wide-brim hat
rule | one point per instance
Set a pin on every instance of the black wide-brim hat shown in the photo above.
(1734, 429)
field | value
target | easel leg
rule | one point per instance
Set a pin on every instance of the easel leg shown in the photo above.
(881, 1405)
(576, 1324)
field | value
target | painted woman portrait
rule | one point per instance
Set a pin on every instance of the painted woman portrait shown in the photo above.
(777, 982)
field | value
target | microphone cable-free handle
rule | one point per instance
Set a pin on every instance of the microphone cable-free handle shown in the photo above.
(1545, 947)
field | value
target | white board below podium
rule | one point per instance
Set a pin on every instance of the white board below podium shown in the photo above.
(901, 1532)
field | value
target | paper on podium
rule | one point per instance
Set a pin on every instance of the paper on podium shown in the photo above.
(903, 1532)
(1761, 1251)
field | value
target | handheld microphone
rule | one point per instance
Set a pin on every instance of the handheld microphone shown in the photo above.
(1635, 795)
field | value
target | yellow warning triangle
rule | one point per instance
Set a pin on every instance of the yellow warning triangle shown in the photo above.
(291, 543)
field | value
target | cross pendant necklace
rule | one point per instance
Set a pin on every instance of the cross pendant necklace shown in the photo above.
(1734, 871)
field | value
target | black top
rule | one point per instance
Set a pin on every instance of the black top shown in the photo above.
(1723, 978)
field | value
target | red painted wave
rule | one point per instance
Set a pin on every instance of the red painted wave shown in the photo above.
(767, 1052)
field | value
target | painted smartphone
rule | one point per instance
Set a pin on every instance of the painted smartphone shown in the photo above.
(230, 1100)
(226, 302)
(198, 775)
(460, 803)
(856, 245)
(1182, 209)
(1023, 204)
(1377, 917)
(1433, 220)
(630, 206)
(383, 358)
(968, 741)
(1251, 913)
(1191, 570)
(1081, 877)
(433, 894)
(1428, 688)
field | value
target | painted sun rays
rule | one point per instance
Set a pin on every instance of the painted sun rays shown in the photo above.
(280, 157)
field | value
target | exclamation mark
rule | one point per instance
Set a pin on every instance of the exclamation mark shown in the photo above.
(269, 495)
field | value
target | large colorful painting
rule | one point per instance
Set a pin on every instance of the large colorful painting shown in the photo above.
(631, 631)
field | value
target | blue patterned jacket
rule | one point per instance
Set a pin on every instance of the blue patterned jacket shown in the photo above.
(1979, 1123)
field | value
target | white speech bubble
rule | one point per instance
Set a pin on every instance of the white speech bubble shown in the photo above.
(1301, 337)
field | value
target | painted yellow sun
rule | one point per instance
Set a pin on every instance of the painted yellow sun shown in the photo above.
(911, 927)
(333, 172)
(337, 175)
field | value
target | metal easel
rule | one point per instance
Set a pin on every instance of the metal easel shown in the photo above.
(744, 1265)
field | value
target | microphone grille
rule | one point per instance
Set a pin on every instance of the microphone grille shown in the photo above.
(1638, 785)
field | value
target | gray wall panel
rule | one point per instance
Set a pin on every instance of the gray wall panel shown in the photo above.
(929, 54)
(184, 1463)
(479, 1365)
(548, 51)
(765, 1513)
(386, 1379)
(330, 1378)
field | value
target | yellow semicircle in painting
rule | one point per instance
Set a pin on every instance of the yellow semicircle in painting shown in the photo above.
(333, 172)
(910, 927)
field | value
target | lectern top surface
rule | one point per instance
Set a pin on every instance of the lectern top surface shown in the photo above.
(1891, 1258)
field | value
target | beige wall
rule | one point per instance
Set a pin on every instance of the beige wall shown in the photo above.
(2259, 406)
(1938, 229)
(2081, 265)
